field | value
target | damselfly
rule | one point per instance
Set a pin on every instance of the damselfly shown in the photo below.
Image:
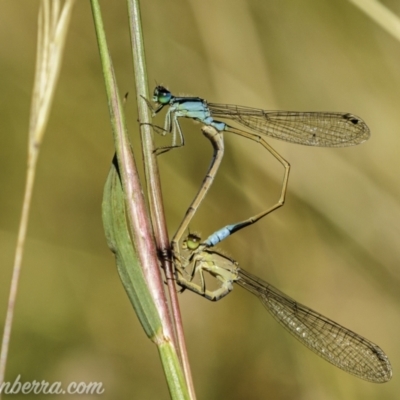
(324, 129)
(331, 341)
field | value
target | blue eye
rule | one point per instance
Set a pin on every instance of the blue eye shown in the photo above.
(164, 98)
(162, 95)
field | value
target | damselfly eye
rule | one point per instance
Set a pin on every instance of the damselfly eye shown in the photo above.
(193, 241)
(162, 95)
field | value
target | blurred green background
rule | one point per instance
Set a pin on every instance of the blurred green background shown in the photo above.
(334, 246)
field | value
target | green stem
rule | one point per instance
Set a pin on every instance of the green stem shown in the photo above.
(154, 193)
(129, 233)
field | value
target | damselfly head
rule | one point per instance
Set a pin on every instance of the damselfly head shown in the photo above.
(162, 95)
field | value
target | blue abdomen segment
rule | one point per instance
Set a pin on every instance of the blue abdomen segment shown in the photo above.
(224, 232)
(220, 235)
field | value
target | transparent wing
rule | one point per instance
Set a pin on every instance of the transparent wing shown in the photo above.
(325, 129)
(336, 344)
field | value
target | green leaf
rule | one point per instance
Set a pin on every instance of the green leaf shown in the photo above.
(120, 243)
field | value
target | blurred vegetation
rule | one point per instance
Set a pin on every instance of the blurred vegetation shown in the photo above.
(334, 246)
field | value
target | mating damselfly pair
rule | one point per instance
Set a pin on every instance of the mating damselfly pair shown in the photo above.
(336, 344)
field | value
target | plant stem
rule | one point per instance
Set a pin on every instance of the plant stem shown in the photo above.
(137, 228)
(154, 193)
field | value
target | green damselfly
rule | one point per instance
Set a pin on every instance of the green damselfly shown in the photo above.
(336, 344)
